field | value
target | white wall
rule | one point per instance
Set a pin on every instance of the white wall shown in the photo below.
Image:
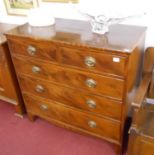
(110, 8)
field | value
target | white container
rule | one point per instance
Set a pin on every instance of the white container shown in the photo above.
(40, 17)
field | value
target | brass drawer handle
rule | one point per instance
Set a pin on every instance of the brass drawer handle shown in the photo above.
(44, 107)
(36, 69)
(91, 83)
(39, 89)
(31, 50)
(92, 124)
(90, 61)
(91, 104)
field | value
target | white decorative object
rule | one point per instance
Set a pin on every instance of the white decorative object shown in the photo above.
(40, 17)
(100, 24)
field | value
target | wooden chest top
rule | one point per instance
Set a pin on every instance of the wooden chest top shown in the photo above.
(120, 38)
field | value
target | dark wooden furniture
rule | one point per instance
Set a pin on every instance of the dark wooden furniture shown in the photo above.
(9, 89)
(141, 137)
(77, 79)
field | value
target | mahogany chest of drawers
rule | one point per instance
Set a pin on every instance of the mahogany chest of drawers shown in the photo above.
(9, 89)
(77, 79)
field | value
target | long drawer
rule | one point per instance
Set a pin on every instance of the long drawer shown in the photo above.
(94, 83)
(90, 60)
(100, 126)
(72, 97)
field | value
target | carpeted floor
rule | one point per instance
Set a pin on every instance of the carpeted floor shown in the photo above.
(22, 137)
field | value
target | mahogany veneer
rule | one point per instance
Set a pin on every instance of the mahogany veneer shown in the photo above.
(9, 89)
(77, 79)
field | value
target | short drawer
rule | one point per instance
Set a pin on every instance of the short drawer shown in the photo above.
(100, 126)
(90, 60)
(99, 62)
(44, 50)
(94, 83)
(72, 97)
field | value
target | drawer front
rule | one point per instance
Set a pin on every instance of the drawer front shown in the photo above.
(70, 77)
(92, 61)
(80, 58)
(72, 97)
(38, 49)
(94, 124)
